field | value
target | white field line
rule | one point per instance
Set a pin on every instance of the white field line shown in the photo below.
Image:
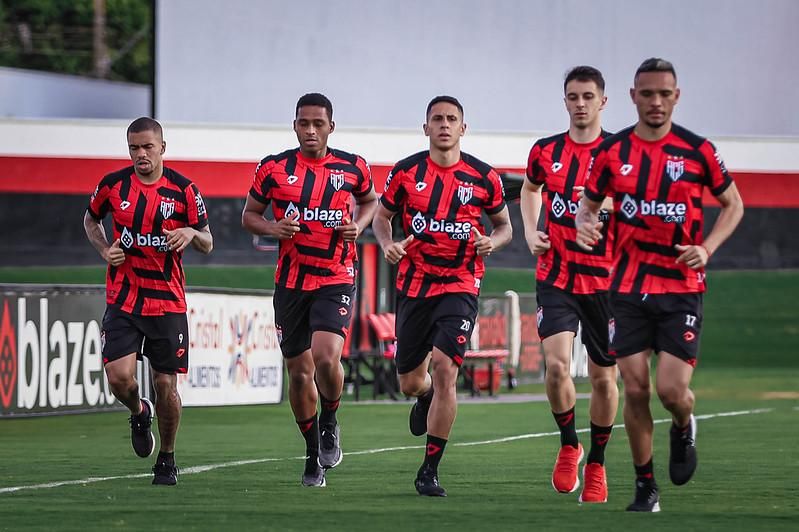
(210, 467)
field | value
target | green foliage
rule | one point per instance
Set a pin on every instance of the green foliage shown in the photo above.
(57, 36)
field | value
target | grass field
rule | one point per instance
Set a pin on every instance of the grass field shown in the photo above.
(745, 480)
(241, 468)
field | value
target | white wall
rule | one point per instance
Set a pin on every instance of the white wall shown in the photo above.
(31, 94)
(380, 61)
(191, 142)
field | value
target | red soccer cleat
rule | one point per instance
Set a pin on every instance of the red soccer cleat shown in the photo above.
(595, 484)
(564, 477)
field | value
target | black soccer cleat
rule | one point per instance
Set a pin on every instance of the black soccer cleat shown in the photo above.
(141, 437)
(427, 483)
(682, 459)
(330, 454)
(165, 474)
(314, 474)
(418, 417)
(646, 497)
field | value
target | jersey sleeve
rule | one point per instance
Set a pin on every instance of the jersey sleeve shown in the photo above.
(600, 182)
(535, 173)
(261, 183)
(717, 179)
(98, 203)
(195, 208)
(365, 184)
(496, 193)
(394, 193)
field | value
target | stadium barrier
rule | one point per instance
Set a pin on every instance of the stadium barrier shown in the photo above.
(50, 351)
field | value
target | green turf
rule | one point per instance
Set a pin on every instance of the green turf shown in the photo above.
(745, 480)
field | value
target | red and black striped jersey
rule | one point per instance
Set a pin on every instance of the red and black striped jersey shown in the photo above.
(440, 206)
(321, 191)
(560, 164)
(150, 281)
(657, 198)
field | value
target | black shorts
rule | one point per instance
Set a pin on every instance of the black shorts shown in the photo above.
(444, 321)
(300, 313)
(559, 311)
(164, 340)
(663, 322)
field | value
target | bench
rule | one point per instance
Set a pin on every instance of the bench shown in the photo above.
(472, 358)
(382, 362)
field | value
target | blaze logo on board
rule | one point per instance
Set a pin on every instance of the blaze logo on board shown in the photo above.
(8, 358)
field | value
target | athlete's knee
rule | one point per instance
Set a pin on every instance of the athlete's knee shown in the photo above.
(122, 383)
(445, 378)
(412, 386)
(674, 396)
(300, 377)
(327, 364)
(557, 370)
(604, 384)
(637, 392)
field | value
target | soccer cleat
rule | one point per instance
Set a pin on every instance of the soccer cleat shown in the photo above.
(330, 454)
(418, 418)
(140, 434)
(682, 459)
(427, 483)
(595, 484)
(165, 474)
(314, 477)
(564, 476)
(646, 497)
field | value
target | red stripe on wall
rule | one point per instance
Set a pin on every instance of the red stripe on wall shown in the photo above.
(63, 175)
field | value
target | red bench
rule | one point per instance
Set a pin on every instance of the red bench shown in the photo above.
(472, 358)
(382, 358)
(384, 369)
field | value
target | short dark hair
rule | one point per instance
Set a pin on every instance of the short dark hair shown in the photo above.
(656, 64)
(447, 99)
(585, 73)
(145, 123)
(317, 100)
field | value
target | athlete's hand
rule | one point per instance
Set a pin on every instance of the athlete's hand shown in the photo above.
(396, 250)
(482, 243)
(580, 192)
(540, 243)
(179, 239)
(695, 257)
(588, 234)
(287, 227)
(114, 255)
(349, 230)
